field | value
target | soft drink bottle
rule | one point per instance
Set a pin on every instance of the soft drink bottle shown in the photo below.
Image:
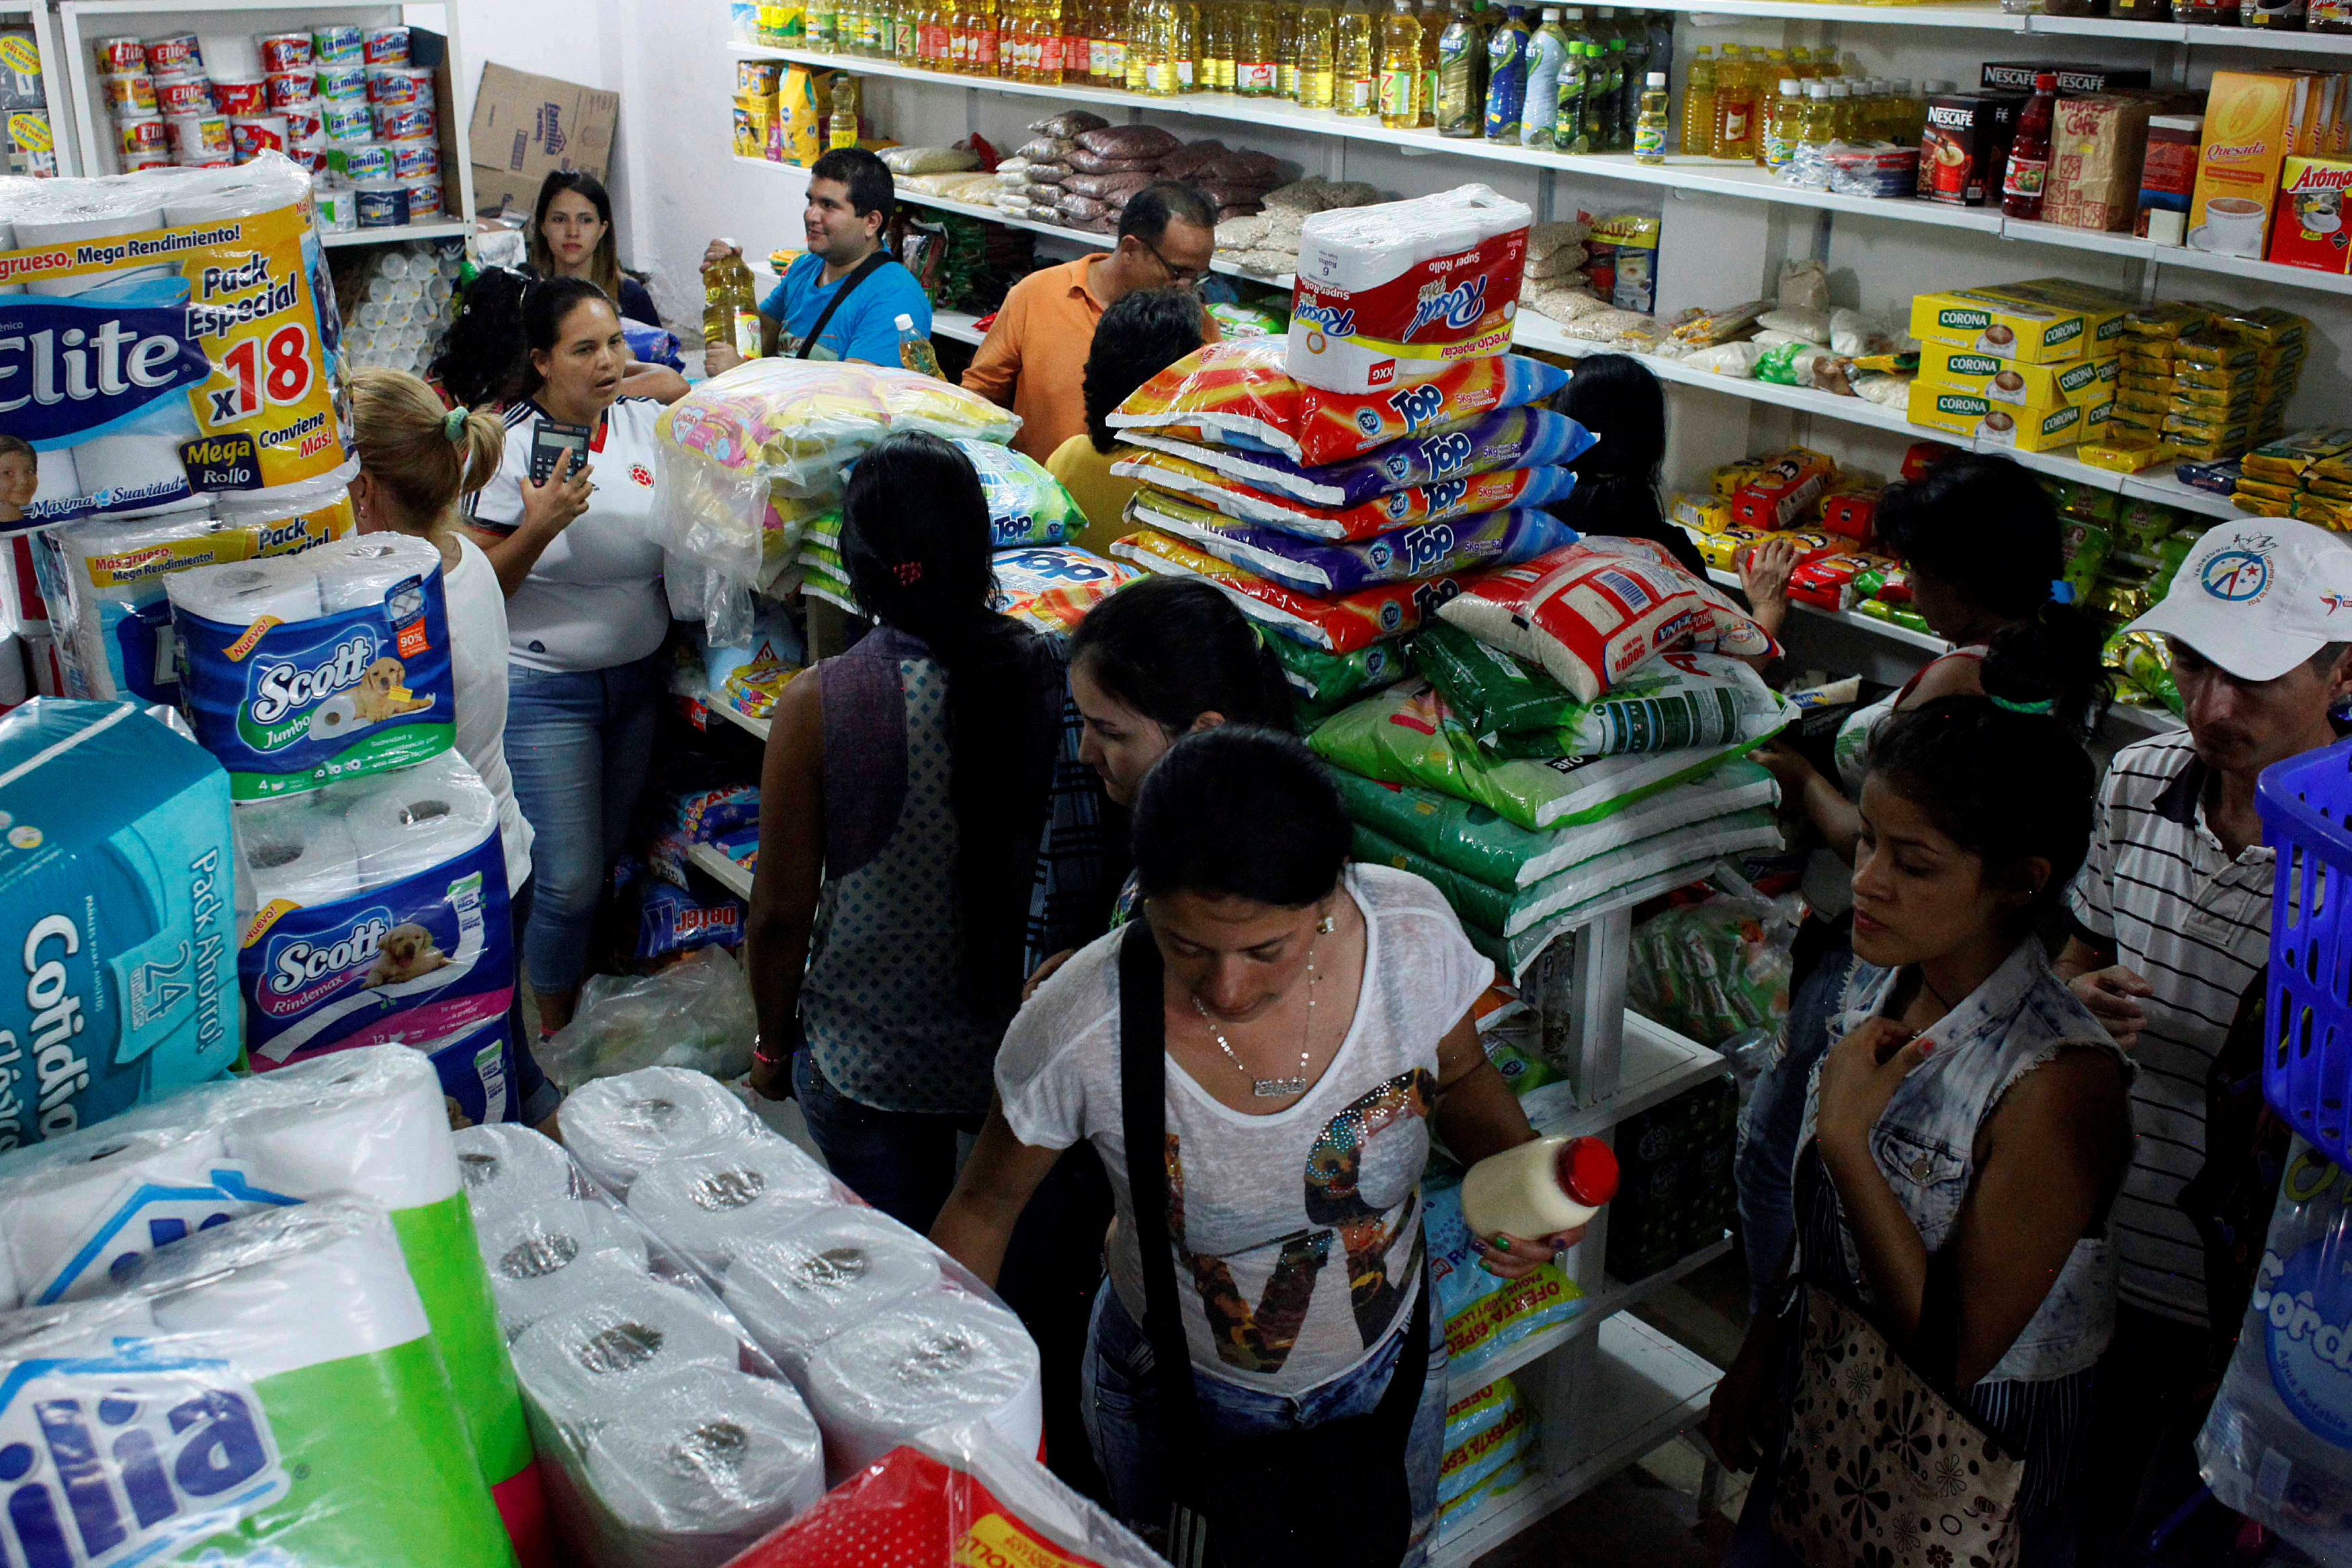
(2029, 155)
(1355, 63)
(1547, 49)
(1507, 76)
(1600, 87)
(1400, 66)
(1319, 27)
(1460, 75)
(1638, 68)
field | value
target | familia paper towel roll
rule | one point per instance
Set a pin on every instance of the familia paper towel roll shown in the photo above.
(365, 1121)
(617, 1127)
(707, 1462)
(709, 1203)
(56, 1202)
(795, 1290)
(588, 1360)
(949, 1357)
(412, 821)
(239, 595)
(292, 849)
(539, 1256)
(507, 1168)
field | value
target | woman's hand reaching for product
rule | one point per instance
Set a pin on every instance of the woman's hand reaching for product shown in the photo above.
(1515, 1257)
(1859, 1076)
(553, 505)
(1765, 576)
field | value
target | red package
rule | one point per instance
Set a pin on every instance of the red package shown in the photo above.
(1922, 455)
(1827, 582)
(1853, 513)
(1811, 545)
(1784, 492)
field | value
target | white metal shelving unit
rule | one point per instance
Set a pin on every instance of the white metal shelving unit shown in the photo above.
(41, 16)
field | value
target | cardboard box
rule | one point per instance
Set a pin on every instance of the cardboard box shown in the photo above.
(2017, 76)
(2097, 142)
(525, 126)
(2036, 388)
(2249, 119)
(2042, 322)
(2308, 229)
(1966, 413)
(1964, 146)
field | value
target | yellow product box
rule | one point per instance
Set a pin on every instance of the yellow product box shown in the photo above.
(1967, 412)
(2119, 454)
(1708, 514)
(2039, 322)
(2038, 387)
(2249, 125)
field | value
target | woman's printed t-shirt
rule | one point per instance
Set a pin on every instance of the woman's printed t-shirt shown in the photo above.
(1298, 1235)
(865, 327)
(594, 598)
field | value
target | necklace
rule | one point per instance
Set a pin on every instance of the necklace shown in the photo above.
(1270, 1088)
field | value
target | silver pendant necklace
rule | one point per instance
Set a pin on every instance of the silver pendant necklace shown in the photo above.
(1273, 1088)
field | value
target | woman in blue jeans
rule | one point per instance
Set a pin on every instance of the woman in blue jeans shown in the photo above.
(575, 551)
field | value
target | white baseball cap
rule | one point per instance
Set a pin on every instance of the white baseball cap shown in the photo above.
(2259, 597)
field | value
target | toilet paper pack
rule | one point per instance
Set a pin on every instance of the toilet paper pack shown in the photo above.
(1399, 291)
(475, 1067)
(187, 322)
(117, 913)
(332, 664)
(375, 911)
(209, 1410)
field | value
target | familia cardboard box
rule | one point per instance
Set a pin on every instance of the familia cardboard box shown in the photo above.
(526, 127)
(2041, 322)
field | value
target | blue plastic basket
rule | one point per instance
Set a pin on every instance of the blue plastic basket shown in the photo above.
(2306, 809)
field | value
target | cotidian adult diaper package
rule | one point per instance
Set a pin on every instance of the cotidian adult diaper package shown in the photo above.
(170, 336)
(1397, 292)
(332, 664)
(116, 911)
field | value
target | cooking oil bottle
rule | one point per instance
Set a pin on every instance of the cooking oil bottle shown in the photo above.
(1145, 37)
(1698, 103)
(1285, 49)
(1460, 75)
(1217, 29)
(1820, 115)
(1434, 18)
(1318, 52)
(1841, 110)
(1354, 61)
(1650, 129)
(1399, 66)
(730, 306)
(1734, 105)
(1784, 126)
(1255, 69)
(1191, 58)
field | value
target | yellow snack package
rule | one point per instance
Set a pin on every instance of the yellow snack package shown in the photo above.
(2125, 456)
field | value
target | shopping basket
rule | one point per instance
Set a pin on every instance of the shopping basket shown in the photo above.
(2306, 809)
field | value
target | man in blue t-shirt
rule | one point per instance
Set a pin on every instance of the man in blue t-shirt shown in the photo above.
(850, 198)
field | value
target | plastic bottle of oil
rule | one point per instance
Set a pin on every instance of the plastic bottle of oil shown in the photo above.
(1506, 76)
(1356, 62)
(1399, 66)
(1912, 115)
(1318, 28)
(1575, 81)
(1285, 49)
(1820, 115)
(1142, 38)
(1841, 110)
(1650, 130)
(1217, 45)
(1460, 75)
(730, 306)
(1434, 16)
(1255, 67)
(986, 38)
(841, 127)
(1151, 47)
(1734, 106)
(1185, 45)
(1698, 103)
(1600, 89)
(1784, 126)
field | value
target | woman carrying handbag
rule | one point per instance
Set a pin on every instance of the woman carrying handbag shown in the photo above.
(1261, 1059)
(1919, 1400)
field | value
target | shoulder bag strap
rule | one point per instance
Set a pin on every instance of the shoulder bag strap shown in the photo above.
(858, 275)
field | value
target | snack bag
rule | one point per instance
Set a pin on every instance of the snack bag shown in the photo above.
(1237, 394)
(1397, 292)
(1403, 555)
(1508, 438)
(1339, 625)
(1051, 586)
(1438, 501)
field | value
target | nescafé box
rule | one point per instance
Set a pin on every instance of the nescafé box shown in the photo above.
(2042, 322)
(2085, 381)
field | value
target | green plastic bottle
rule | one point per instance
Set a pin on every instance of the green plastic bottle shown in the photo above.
(1461, 74)
(1575, 77)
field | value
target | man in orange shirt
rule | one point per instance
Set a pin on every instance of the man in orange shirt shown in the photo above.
(1034, 360)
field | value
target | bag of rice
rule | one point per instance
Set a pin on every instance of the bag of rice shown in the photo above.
(1053, 587)
(929, 160)
(1406, 735)
(1238, 395)
(1685, 699)
(1338, 625)
(1510, 438)
(1323, 569)
(1327, 681)
(1414, 503)
(1483, 1311)
(1592, 613)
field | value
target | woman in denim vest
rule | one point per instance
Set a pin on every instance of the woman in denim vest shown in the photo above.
(1967, 1102)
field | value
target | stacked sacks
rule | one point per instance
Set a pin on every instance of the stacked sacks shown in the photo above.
(1268, 242)
(1549, 762)
(1080, 172)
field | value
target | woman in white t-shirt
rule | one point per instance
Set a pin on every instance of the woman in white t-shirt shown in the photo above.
(585, 617)
(1316, 1021)
(416, 460)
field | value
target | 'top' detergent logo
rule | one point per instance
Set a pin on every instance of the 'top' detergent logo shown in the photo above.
(115, 1459)
(1460, 306)
(1419, 404)
(289, 686)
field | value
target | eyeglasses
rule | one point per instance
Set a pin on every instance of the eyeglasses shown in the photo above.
(1181, 276)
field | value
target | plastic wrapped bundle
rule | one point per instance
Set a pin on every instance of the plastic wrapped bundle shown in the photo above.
(1508, 438)
(949, 1358)
(1340, 624)
(1394, 292)
(541, 1257)
(1324, 568)
(708, 1205)
(1026, 506)
(505, 1167)
(822, 1276)
(1437, 502)
(588, 1359)
(619, 1127)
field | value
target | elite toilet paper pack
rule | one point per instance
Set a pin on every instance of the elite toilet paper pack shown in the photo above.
(332, 664)
(1401, 290)
(117, 895)
(375, 910)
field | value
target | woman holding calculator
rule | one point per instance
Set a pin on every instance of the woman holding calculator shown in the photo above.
(566, 522)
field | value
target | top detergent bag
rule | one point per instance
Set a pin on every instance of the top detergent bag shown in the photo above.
(330, 664)
(116, 915)
(1399, 291)
(170, 336)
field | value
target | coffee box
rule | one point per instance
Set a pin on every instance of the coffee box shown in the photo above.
(2036, 388)
(2248, 120)
(2096, 143)
(1965, 145)
(2017, 76)
(1966, 413)
(2309, 228)
(2042, 322)
(2167, 177)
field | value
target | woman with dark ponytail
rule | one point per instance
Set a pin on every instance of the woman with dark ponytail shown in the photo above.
(1617, 480)
(902, 801)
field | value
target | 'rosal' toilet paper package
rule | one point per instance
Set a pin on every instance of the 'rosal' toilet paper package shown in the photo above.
(332, 664)
(186, 327)
(117, 917)
(1400, 290)
(209, 1410)
(374, 911)
(77, 1212)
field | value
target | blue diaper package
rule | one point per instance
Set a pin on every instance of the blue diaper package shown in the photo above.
(116, 916)
(375, 912)
(477, 1073)
(332, 664)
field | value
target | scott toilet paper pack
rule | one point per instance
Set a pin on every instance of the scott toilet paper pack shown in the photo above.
(307, 669)
(1398, 292)
(117, 917)
(77, 1212)
(208, 1410)
(372, 911)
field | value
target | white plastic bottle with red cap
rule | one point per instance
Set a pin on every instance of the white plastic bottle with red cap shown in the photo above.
(1538, 1188)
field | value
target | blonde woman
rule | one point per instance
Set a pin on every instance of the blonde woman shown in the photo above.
(417, 461)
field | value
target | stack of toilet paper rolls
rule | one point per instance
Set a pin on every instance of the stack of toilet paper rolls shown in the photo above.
(403, 311)
(208, 1399)
(886, 1334)
(76, 1211)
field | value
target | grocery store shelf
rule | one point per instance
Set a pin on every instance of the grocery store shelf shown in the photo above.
(1647, 1389)
(454, 230)
(2176, 255)
(1987, 16)
(711, 858)
(960, 325)
(1658, 1065)
(1467, 1375)
(1925, 641)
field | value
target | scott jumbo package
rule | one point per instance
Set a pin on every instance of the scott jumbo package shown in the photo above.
(117, 913)
(186, 327)
(1324, 568)
(1508, 438)
(373, 911)
(1400, 290)
(268, 1393)
(77, 1213)
(330, 664)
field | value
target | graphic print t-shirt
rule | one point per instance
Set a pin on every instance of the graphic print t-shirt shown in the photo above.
(1298, 1235)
